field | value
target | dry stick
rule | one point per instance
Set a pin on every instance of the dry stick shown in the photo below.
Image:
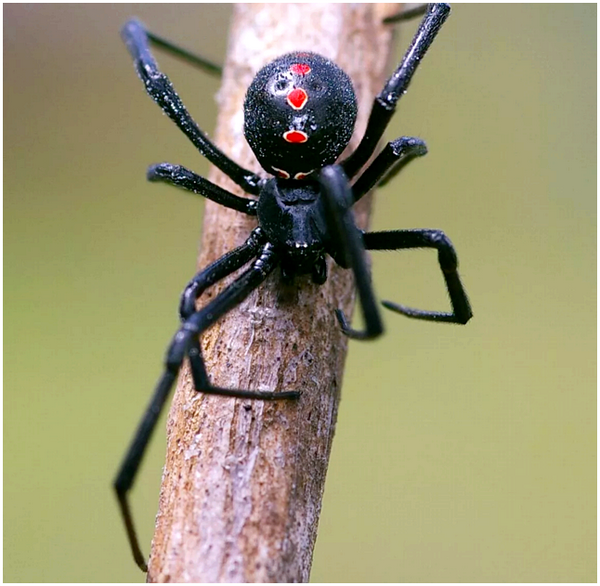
(243, 481)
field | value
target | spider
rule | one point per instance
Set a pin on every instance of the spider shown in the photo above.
(299, 115)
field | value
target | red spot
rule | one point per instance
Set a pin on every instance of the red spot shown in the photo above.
(300, 68)
(303, 175)
(281, 173)
(297, 98)
(296, 136)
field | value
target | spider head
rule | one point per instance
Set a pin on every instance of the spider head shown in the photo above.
(299, 114)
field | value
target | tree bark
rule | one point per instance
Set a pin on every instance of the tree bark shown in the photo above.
(244, 479)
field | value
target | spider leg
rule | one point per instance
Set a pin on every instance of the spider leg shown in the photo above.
(409, 14)
(385, 103)
(186, 179)
(400, 239)
(193, 326)
(201, 320)
(133, 457)
(338, 201)
(218, 270)
(207, 277)
(196, 60)
(389, 162)
(160, 89)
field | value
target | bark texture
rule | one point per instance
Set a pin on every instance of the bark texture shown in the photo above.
(243, 480)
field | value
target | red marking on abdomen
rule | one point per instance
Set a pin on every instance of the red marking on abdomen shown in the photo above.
(281, 173)
(300, 68)
(303, 175)
(296, 136)
(297, 99)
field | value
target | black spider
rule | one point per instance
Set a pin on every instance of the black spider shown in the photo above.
(299, 113)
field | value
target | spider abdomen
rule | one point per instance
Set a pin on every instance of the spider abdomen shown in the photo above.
(299, 114)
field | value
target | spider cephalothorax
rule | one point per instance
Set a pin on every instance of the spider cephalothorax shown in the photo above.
(299, 114)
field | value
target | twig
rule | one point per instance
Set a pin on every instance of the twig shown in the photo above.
(243, 481)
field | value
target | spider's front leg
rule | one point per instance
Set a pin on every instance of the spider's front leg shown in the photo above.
(184, 341)
(207, 277)
(199, 321)
(132, 460)
(403, 239)
(347, 249)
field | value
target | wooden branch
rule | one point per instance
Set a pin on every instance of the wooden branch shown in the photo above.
(243, 481)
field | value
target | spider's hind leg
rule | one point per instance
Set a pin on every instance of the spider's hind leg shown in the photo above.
(160, 89)
(198, 61)
(408, 14)
(384, 104)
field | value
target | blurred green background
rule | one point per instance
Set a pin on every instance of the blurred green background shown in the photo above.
(462, 454)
